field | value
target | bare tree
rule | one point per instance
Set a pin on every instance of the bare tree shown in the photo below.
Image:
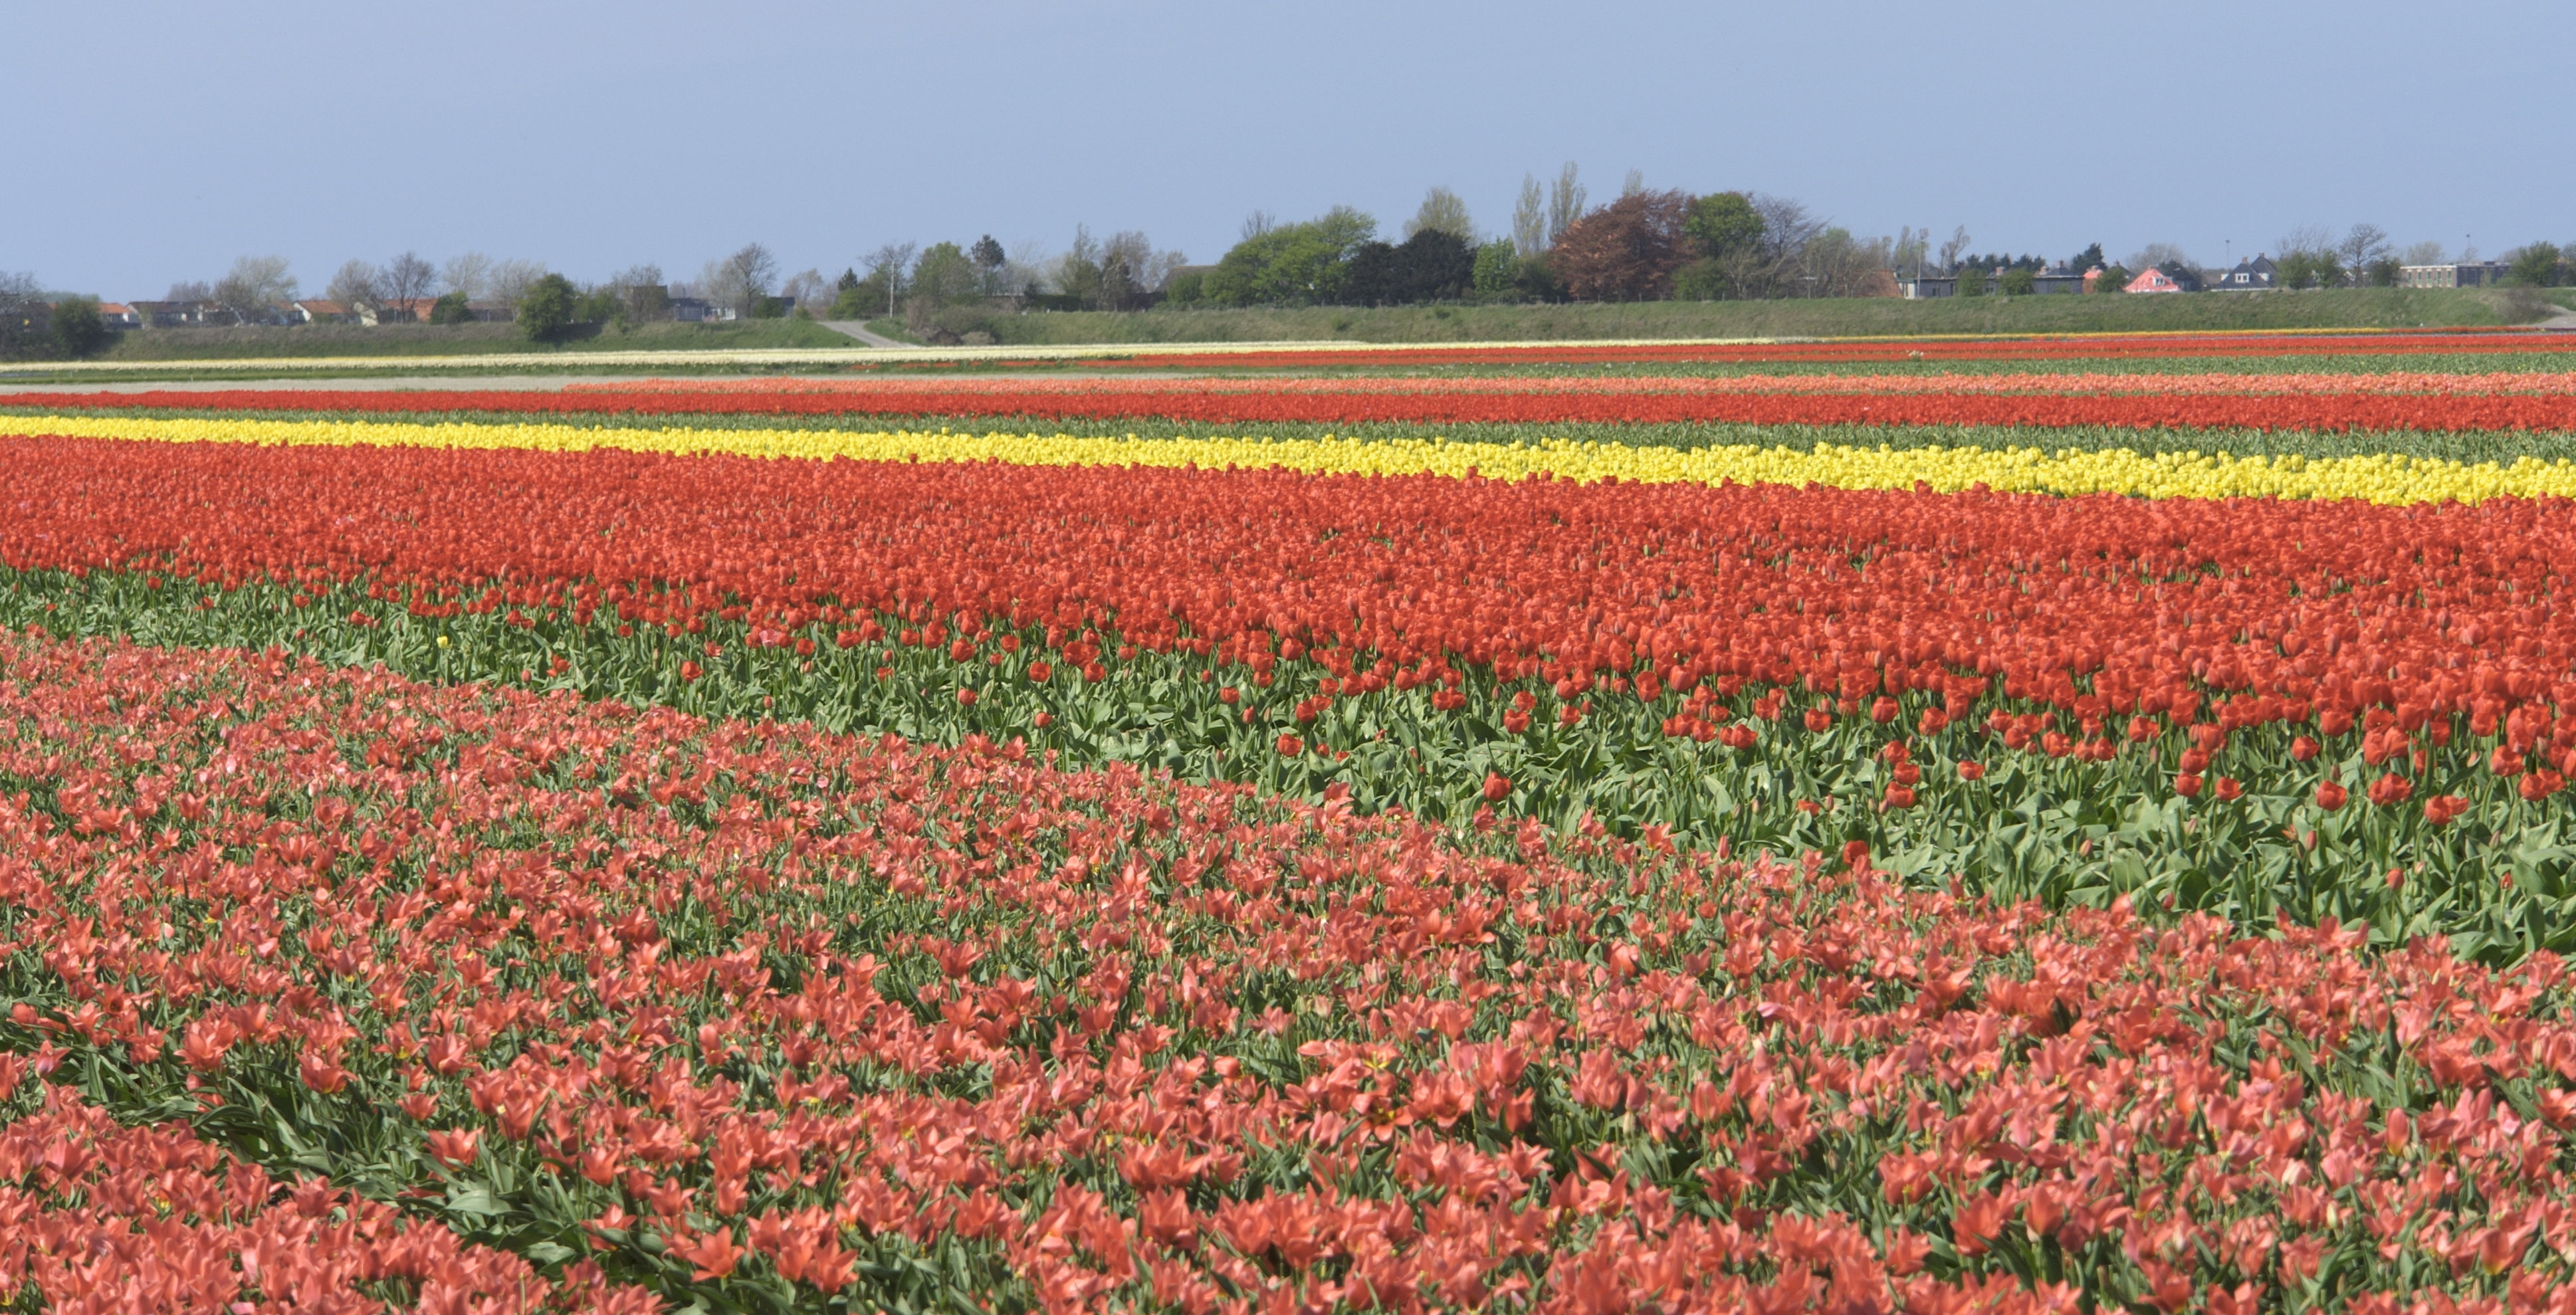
(893, 262)
(746, 279)
(2362, 245)
(1906, 255)
(2307, 238)
(407, 280)
(190, 290)
(1130, 268)
(470, 274)
(808, 290)
(1634, 183)
(1787, 227)
(1564, 203)
(20, 295)
(359, 287)
(1258, 223)
(2310, 257)
(2156, 255)
(640, 293)
(1836, 264)
(255, 288)
(511, 280)
(1529, 219)
(1026, 269)
(1954, 247)
(1444, 212)
(2425, 253)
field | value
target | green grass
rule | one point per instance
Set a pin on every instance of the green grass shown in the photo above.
(1820, 318)
(303, 340)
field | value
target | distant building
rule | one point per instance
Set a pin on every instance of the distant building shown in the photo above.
(2462, 274)
(2060, 278)
(179, 315)
(2155, 280)
(1926, 287)
(118, 315)
(2256, 275)
(699, 310)
(320, 310)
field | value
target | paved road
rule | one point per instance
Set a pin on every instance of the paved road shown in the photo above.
(860, 331)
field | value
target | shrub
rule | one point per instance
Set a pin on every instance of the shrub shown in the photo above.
(2540, 265)
(1432, 265)
(547, 309)
(451, 309)
(1186, 289)
(77, 329)
(1292, 265)
(1498, 269)
(1537, 280)
(1704, 279)
(2019, 281)
(599, 306)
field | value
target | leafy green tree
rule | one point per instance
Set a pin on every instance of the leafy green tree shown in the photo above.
(2309, 260)
(451, 309)
(945, 276)
(1497, 268)
(1186, 289)
(1432, 265)
(1442, 210)
(2113, 279)
(1973, 279)
(2086, 259)
(1538, 280)
(547, 308)
(2537, 266)
(1723, 223)
(1294, 264)
(2019, 281)
(77, 329)
(1704, 279)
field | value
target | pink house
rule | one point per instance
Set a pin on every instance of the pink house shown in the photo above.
(2154, 280)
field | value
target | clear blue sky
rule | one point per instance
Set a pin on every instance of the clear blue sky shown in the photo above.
(156, 141)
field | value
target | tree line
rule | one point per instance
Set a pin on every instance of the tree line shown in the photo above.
(1643, 245)
(1646, 245)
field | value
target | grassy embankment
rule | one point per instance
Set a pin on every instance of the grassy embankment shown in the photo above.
(2342, 308)
(264, 341)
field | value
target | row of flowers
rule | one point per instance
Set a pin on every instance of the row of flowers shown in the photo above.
(754, 1016)
(2075, 346)
(2254, 707)
(2392, 382)
(2459, 412)
(2388, 478)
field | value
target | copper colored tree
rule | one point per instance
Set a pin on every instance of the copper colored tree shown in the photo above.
(1626, 250)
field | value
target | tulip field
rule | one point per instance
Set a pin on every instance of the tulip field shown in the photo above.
(1955, 825)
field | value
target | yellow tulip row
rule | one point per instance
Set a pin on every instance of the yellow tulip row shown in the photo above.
(2387, 478)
